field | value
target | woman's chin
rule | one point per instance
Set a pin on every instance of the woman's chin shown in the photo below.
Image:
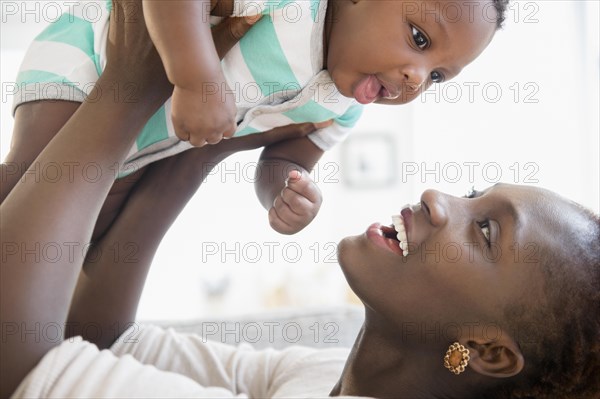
(350, 253)
(357, 266)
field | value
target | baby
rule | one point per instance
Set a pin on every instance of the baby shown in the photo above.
(303, 61)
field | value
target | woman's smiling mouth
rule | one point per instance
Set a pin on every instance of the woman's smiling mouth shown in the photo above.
(384, 237)
(394, 237)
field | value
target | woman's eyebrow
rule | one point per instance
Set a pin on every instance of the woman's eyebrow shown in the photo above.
(474, 193)
(514, 230)
(512, 211)
(506, 205)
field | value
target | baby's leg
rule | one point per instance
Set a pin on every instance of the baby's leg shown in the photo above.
(36, 123)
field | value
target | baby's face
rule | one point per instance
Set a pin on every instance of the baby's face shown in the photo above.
(389, 51)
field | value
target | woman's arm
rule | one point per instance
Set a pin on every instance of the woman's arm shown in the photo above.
(114, 272)
(58, 215)
(109, 287)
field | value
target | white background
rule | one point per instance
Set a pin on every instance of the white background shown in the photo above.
(525, 112)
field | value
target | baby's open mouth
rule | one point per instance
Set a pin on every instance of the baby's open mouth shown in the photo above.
(368, 90)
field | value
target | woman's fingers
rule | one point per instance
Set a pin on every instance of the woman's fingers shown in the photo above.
(282, 133)
(230, 31)
(131, 55)
(131, 51)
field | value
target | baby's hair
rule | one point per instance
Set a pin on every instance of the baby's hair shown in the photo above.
(563, 356)
(500, 6)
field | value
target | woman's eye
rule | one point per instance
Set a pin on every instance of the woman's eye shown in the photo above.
(437, 77)
(485, 229)
(472, 193)
(420, 39)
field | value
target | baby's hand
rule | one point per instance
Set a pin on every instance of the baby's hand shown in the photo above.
(204, 114)
(297, 204)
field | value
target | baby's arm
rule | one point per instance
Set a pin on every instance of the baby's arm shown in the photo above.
(203, 108)
(292, 199)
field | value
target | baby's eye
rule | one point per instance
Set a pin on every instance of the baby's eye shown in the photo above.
(420, 39)
(485, 229)
(437, 77)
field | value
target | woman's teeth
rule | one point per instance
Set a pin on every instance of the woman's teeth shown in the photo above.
(398, 221)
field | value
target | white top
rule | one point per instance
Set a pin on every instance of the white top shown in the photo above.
(151, 362)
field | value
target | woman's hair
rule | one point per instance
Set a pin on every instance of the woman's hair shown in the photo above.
(561, 340)
(500, 6)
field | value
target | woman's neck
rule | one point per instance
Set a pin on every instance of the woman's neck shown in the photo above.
(374, 367)
(381, 365)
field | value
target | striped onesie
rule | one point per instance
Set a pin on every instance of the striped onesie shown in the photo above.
(276, 72)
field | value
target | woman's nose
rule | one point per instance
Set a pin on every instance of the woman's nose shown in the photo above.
(435, 206)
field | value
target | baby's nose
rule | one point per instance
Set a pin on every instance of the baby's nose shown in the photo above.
(415, 76)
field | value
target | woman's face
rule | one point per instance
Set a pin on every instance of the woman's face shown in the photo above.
(467, 257)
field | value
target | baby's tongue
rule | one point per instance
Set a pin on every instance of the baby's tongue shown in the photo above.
(367, 90)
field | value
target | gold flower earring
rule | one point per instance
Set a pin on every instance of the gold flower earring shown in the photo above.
(456, 359)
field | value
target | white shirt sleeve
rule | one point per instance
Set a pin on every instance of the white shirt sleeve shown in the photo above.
(150, 362)
(77, 369)
(241, 370)
(327, 138)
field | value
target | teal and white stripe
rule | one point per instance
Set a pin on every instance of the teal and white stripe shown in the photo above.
(275, 71)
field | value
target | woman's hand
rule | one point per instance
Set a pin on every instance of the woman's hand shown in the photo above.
(169, 184)
(222, 150)
(133, 62)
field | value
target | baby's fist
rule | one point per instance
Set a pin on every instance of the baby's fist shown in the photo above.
(202, 116)
(296, 205)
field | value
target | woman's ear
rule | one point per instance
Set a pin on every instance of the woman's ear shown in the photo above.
(500, 358)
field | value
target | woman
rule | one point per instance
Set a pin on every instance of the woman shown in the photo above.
(512, 271)
(493, 273)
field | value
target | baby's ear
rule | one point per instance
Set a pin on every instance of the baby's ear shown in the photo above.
(500, 358)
